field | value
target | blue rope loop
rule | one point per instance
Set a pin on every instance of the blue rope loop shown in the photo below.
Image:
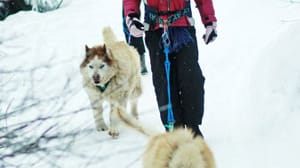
(166, 44)
(166, 41)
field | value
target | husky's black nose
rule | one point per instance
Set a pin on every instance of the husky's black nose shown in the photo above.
(96, 78)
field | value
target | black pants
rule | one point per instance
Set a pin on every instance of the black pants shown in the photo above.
(186, 80)
(137, 42)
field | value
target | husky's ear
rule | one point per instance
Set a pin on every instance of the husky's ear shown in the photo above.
(107, 51)
(87, 49)
(104, 48)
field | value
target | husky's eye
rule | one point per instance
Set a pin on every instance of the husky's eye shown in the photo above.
(101, 66)
(91, 67)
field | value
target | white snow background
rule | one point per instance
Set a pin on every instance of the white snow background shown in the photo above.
(252, 98)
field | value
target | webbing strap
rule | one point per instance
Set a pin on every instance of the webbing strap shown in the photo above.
(153, 17)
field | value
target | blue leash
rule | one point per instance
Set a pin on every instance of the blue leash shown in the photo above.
(126, 31)
(166, 43)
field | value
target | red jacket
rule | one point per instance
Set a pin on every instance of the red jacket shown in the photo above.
(205, 7)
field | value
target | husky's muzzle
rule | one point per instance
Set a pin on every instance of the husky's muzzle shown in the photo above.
(96, 78)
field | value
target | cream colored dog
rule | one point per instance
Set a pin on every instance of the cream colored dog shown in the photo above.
(178, 149)
(111, 72)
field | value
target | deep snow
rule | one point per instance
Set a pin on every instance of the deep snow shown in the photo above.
(252, 86)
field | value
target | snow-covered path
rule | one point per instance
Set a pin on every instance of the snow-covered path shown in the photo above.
(252, 86)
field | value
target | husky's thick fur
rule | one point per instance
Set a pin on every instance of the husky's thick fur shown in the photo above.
(178, 149)
(111, 72)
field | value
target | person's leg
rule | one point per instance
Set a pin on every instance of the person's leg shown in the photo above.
(175, 93)
(157, 67)
(196, 130)
(144, 69)
(157, 59)
(191, 84)
(138, 43)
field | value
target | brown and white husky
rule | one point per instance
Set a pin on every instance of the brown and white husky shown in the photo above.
(111, 72)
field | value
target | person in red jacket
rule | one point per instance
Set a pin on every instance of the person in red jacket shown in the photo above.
(171, 36)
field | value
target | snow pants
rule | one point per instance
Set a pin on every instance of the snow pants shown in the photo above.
(138, 43)
(186, 80)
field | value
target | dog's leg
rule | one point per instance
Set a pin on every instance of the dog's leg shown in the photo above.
(136, 93)
(98, 116)
(114, 121)
(134, 111)
(96, 105)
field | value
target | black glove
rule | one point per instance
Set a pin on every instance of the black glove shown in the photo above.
(211, 32)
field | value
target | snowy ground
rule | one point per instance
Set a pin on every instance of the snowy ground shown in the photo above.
(252, 85)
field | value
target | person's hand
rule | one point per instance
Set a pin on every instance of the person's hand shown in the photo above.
(135, 26)
(211, 32)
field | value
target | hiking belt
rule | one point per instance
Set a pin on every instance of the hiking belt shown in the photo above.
(153, 16)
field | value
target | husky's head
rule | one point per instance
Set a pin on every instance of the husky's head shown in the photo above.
(97, 65)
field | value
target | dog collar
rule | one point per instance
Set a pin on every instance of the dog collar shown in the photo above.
(102, 88)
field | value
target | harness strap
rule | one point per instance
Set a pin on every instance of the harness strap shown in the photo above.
(103, 88)
(153, 16)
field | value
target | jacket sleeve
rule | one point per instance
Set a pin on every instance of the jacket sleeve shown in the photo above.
(131, 6)
(206, 10)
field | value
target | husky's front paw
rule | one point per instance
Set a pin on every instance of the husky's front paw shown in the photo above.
(114, 132)
(101, 127)
(136, 117)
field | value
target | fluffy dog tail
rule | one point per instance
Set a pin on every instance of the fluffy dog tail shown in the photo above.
(108, 36)
(134, 123)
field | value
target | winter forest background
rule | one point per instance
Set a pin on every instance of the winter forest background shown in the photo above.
(252, 101)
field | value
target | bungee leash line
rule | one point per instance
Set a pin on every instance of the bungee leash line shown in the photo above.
(166, 45)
